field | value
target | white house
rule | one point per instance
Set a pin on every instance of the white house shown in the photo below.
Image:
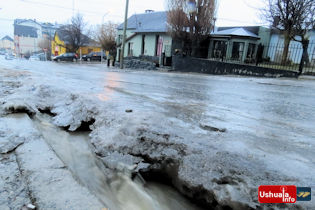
(7, 43)
(28, 33)
(146, 35)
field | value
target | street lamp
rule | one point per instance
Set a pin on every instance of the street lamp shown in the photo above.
(102, 32)
(191, 7)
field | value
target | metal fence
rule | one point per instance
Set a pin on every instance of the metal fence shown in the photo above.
(270, 56)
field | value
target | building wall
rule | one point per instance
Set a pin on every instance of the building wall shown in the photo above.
(56, 46)
(150, 44)
(7, 44)
(88, 49)
(33, 24)
(58, 49)
(136, 46)
(25, 45)
(264, 34)
(120, 35)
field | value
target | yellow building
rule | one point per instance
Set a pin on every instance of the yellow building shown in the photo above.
(58, 43)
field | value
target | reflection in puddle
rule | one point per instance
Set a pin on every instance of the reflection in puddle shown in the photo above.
(111, 82)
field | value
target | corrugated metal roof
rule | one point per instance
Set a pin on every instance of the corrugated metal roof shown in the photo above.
(147, 22)
(235, 32)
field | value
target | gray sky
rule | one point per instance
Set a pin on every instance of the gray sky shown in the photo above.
(230, 12)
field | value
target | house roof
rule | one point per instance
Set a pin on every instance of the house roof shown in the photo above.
(147, 22)
(19, 21)
(42, 24)
(7, 38)
(253, 29)
(65, 37)
(235, 32)
(26, 31)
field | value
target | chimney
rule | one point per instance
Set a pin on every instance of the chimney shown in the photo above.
(149, 11)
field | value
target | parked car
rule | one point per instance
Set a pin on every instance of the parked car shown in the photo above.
(34, 58)
(66, 57)
(9, 57)
(94, 56)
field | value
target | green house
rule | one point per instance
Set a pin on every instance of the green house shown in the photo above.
(146, 35)
(237, 43)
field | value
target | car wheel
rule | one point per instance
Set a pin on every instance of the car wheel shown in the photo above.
(88, 59)
(58, 60)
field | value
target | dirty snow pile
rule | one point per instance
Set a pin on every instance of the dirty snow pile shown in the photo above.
(204, 162)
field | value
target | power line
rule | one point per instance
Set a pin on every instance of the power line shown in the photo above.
(60, 7)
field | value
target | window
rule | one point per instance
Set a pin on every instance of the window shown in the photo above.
(157, 37)
(130, 49)
(143, 45)
(251, 51)
(237, 51)
(219, 49)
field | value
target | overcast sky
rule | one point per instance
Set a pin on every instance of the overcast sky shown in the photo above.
(230, 12)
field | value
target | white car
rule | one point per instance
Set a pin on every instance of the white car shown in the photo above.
(9, 57)
(34, 58)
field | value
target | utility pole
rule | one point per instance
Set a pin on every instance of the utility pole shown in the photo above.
(124, 37)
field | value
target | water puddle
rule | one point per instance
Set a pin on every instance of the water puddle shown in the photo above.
(122, 193)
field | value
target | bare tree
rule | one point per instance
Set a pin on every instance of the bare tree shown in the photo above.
(106, 35)
(293, 17)
(45, 44)
(73, 33)
(305, 23)
(196, 22)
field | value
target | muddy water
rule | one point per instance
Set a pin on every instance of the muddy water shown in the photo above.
(122, 193)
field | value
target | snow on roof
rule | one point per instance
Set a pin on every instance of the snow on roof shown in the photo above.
(236, 32)
(147, 22)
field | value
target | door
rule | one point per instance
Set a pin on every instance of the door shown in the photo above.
(143, 45)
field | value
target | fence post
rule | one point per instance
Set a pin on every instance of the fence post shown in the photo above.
(305, 43)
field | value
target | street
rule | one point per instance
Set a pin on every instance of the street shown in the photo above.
(212, 139)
